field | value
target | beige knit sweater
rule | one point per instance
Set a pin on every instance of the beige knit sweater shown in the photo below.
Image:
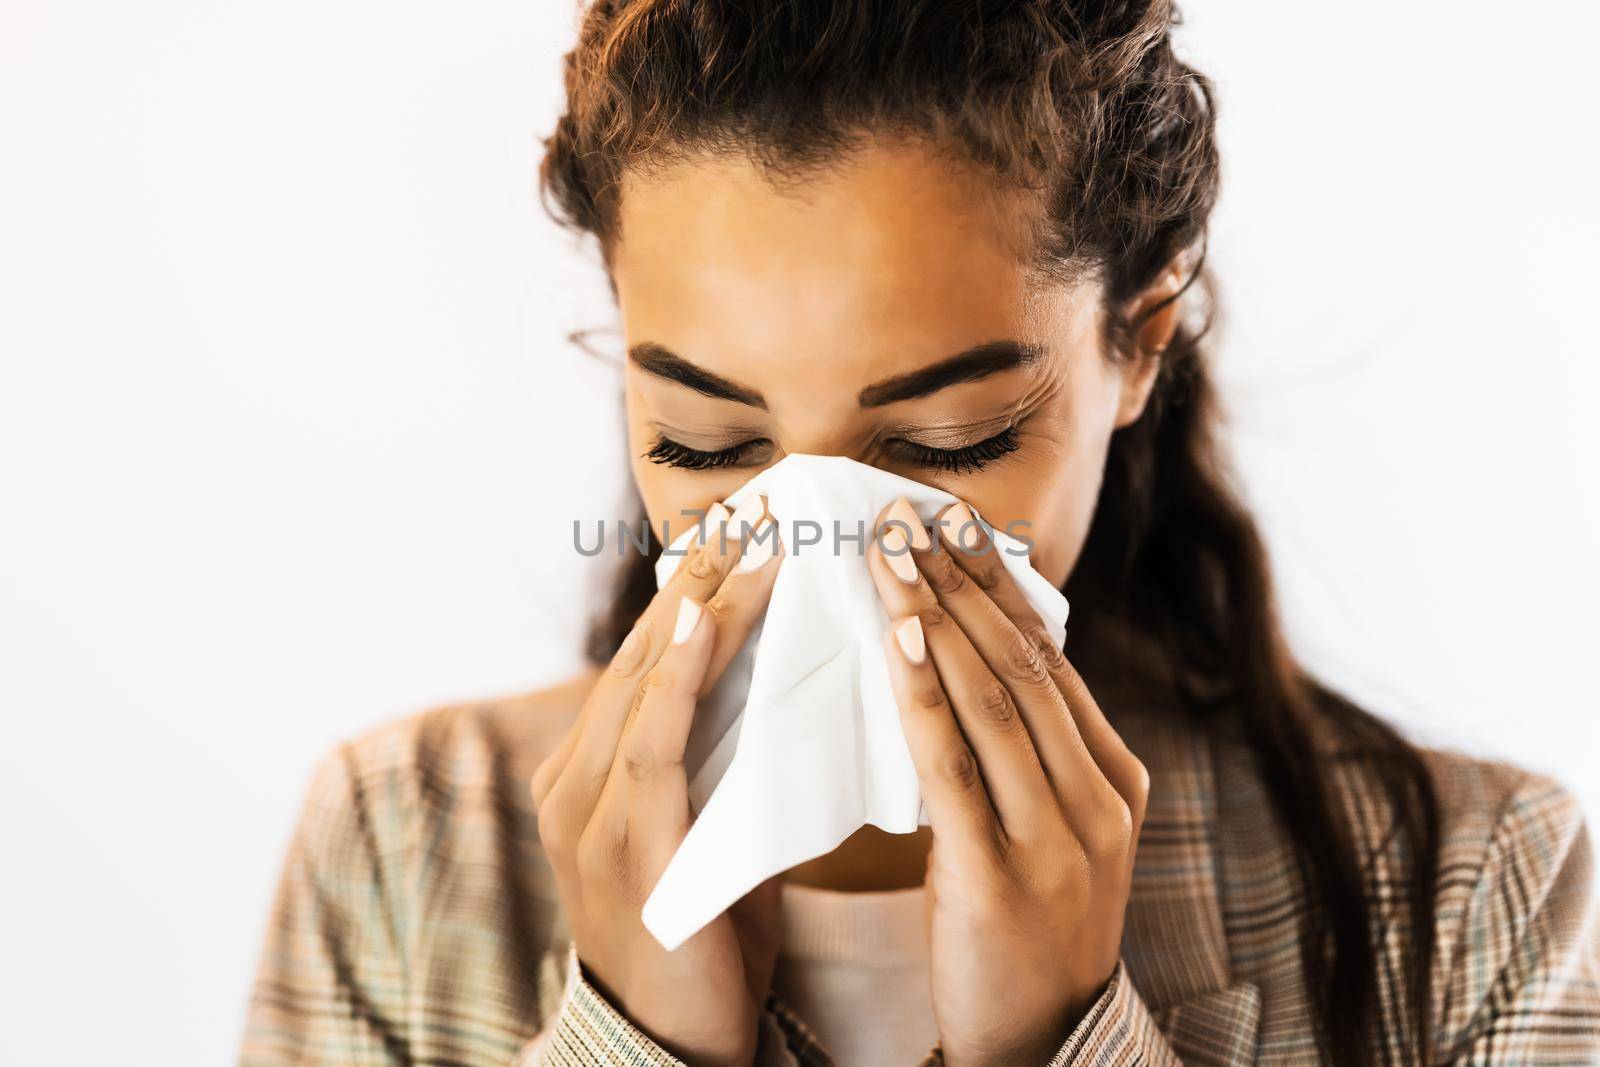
(842, 950)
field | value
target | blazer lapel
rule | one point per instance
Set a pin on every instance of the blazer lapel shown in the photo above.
(1175, 943)
(1219, 1028)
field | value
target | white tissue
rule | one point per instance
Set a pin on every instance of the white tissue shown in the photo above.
(799, 744)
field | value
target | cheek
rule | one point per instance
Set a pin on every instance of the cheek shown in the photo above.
(1048, 502)
(674, 499)
(1048, 496)
(1064, 511)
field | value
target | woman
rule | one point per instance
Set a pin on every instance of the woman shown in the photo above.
(959, 242)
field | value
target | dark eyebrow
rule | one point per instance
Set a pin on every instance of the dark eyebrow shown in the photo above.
(665, 363)
(975, 363)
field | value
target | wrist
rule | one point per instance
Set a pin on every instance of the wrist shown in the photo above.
(660, 1024)
(1040, 1046)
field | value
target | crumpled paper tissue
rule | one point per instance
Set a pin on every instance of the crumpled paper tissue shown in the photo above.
(799, 743)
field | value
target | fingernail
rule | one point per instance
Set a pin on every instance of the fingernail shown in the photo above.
(688, 615)
(908, 635)
(903, 512)
(898, 555)
(746, 514)
(956, 526)
(715, 516)
(759, 548)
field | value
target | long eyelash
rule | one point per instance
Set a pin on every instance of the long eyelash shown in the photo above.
(965, 460)
(672, 454)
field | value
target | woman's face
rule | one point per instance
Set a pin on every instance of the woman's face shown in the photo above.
(881, 312)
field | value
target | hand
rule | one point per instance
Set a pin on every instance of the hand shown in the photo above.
(1035, 802)
(613, 806)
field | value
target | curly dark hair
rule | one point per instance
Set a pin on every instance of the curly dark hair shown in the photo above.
(1085, 104)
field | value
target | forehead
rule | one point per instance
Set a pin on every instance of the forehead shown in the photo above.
(885, 261)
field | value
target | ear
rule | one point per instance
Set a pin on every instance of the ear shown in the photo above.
(1155, 334)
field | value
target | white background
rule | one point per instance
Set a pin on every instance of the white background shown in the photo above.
(290, 441)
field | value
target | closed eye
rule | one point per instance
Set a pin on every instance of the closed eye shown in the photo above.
(968, 459)
(672, 453)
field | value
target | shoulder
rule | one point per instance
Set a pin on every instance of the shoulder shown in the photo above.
(1515, 940)
(1483, 808)
(1516, 933)
(420, 834)
(1487, 810)
(406, 787)
(1513, 844)
(415, 902)
(456, 741)
(1490, 806)
(1489, 813)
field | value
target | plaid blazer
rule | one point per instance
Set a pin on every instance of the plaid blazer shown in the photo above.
(416, 920)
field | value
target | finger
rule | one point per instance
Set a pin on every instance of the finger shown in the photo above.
(1122, 768)
(959, 807)
(967, 576)
(984, 708)
(738, 603)
(549, 769)
(699, 575)
(647, 786)
(742, 598)
(1086, 730)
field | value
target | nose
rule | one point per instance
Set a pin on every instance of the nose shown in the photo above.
(822, 428)
(825, 444)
